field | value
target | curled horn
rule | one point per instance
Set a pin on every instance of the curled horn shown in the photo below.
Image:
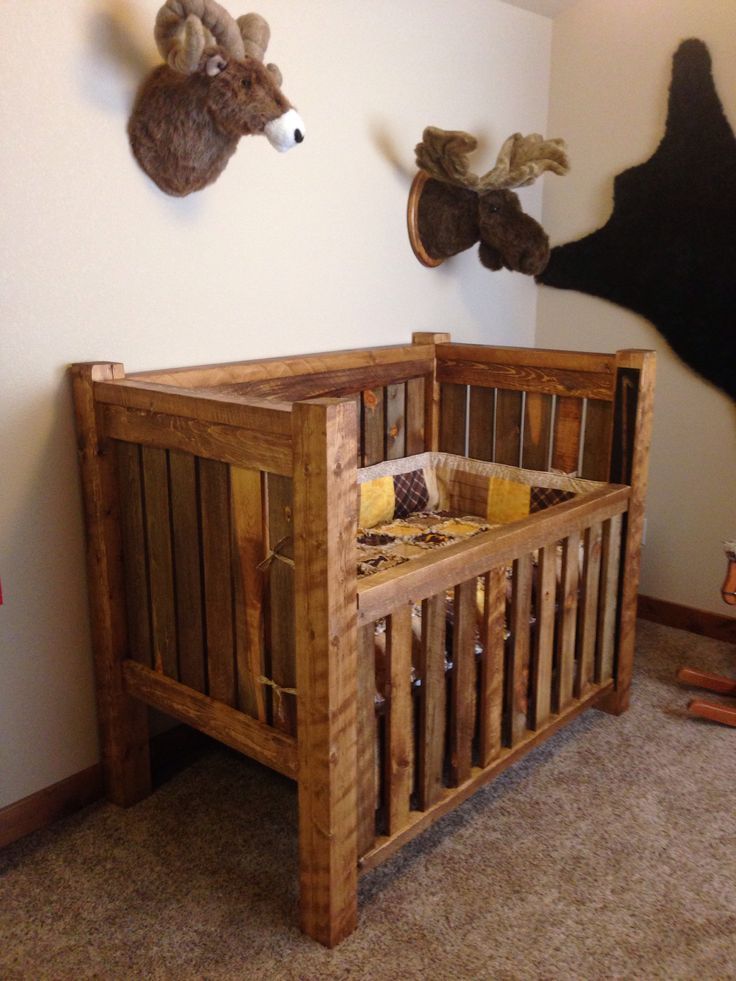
(256, 34)
(443, 154)
(522, 159)
(183, 29)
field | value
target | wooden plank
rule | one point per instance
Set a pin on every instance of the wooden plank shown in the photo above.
(490, 707)
(463, 682)
(325, 526)
(431, 389)
(160, 560)
(597, 441)
(249, 551)
(566, 634)
(481, 423)
(415, 425)
(229, 444)
(282, 655)
(508, 427)
(453, 407)
(432, 701)
(383, 592)
(231, 727)
(366, 750)
(588, 609)
(214, 500)
(123, 723)
(517, 675)
(399, 725)
(567, 431)
(132, 527)
(543, 647)
(335, 384)
(395, 422)
(187, 570)
(387, 846)
(610, 558)
(374, 434)
(536, 438)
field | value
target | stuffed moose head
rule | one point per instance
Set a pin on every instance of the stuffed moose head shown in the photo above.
(454, 208)
(214, 88)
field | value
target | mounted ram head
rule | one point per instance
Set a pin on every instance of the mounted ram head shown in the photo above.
(213, 89)
(451, 208)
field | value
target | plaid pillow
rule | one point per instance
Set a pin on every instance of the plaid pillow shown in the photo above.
(411, 493)
(545, 497)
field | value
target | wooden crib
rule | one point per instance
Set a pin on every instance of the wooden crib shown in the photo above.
(221, 516)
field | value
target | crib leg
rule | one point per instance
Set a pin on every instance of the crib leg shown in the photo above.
(325, 520)
(123, 721)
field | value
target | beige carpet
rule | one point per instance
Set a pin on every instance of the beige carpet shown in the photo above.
(609, 853)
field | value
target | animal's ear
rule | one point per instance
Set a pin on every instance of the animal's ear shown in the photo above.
(276, 72)
(214, 65)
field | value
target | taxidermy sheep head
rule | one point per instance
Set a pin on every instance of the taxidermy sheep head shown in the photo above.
(451, 209)
(213, 89)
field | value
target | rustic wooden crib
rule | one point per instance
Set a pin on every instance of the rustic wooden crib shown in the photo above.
(221, 514)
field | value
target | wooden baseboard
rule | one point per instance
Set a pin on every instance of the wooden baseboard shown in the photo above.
(170, 750)
(686, 618)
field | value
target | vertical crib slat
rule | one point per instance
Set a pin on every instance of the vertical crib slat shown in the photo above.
(517, 680)
(415, 412)
(481, 422)
(610, 558)
(366, 779)
(490, 708)
(160, 561)
(431, 723)
(214, 503)
(134, 552)
(187, 567)
(246, 494)
(395, 421)
(537, 420)
(588, 610)
(568, 423)
(508, 427)
(568, 620)
(373, 426)
(453, 409)
(399, 727)
(597, 440)
(281, 601)
(544, 636)
(463, 682)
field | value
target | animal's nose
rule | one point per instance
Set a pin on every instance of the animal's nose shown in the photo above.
(298, 135)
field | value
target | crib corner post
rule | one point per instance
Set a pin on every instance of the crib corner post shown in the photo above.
(325, 600)
(122, 721)
(431, 389)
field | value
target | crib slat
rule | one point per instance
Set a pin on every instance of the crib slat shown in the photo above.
(610, 558)
(508, 426)
(395, 421)
(373, 426)
(366, 779)
(597, 440)
(490, 709)
(214, 502)
(415, 414)
(517, 679)
(399, 727)
(187, 567)
(246, 497)
(537, 419)
(281, 602)
(480, 423)
(463, 682)
(568, 620)
(431, 723)
(567, 427)
(453, 399)
(544, 636)
(134, 552)
(160, 563)
(588, 619)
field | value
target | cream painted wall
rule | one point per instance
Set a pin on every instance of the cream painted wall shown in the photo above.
(302, 252)
(611, 68)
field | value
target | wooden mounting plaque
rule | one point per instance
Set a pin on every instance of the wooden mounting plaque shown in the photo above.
(412, 220)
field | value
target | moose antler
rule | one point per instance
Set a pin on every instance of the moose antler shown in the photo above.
(184, 28)
(443, 154)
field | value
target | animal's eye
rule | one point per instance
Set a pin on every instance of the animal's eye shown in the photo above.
(247, 83)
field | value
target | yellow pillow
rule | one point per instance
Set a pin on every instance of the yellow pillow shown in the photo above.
(507, 500)
(377, 501)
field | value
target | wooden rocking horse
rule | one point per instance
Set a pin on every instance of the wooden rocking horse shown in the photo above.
(717, 683)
